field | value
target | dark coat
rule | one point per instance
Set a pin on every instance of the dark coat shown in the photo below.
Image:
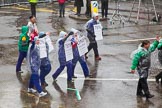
(78, 3)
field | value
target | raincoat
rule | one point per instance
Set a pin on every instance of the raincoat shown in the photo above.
(62, 57)
(142, 60)
(34, 65)
(45, 66)
(77, 57)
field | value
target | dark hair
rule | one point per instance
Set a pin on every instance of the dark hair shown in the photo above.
(145, 42)
(31, 17)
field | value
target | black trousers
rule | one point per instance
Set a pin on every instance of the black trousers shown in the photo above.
(33, 9)
(88, 8)
(78, 10)
(143, 86)
(104, 8)
(159, 76)
(94, 47)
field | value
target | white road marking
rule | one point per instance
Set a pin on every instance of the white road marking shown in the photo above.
(112, 79)
(81, 77)
(134, 40)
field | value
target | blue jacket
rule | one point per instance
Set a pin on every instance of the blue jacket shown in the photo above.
(61, 52)
(90, 30)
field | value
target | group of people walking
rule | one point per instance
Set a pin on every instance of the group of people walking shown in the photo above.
(30, 45)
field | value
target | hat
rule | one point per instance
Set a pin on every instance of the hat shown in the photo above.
(74, 30)
(41, 34)
(36, 38)
(62, 34)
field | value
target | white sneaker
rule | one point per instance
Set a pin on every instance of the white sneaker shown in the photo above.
(20, 71)
(31, 90)
(42, 94)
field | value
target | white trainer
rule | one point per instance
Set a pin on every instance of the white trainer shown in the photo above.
(42, 94)
(31, 90)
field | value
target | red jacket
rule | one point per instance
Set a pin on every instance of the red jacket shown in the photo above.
(61, 1)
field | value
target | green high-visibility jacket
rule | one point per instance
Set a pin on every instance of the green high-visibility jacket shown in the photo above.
(142, 58)
(33, 1)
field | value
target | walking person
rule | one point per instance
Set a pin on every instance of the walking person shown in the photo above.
(78, 4)
(62, 58)
(91, 36)
(142, 61)
(33, 30)
(61, 8)
(33, 4)
(104, 8)
(45, 66)
(23, 45)
(34, 64)
(77, 57)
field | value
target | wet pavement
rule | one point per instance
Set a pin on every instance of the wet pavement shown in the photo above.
(112, 85)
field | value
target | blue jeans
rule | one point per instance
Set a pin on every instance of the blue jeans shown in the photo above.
(21, 57)
(83, 65)
(62, 9)
(34, 82)
(45, 68)
(61, 68)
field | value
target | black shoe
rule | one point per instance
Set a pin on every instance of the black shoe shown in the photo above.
(54, 80)
(140, 95)
(70, 81)
(149, 96)
(60, 16)
(44, 84)
(86, 57)
(19, 71)
(74, 76)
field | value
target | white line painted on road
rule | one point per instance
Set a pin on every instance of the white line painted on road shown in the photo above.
(81, 77)
(112, 79)
(134, 40)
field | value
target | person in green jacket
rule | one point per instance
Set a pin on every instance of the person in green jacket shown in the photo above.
(159, 76)
(142, 61)
(33, 4)
(23, 45)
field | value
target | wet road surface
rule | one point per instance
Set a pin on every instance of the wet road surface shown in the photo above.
(112, 85)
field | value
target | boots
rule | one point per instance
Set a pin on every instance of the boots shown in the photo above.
(141, 95)
(149, 96)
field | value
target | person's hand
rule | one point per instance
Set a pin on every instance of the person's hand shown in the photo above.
(48, 33)
(71, 33)
(157, 38)
(132, 71)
